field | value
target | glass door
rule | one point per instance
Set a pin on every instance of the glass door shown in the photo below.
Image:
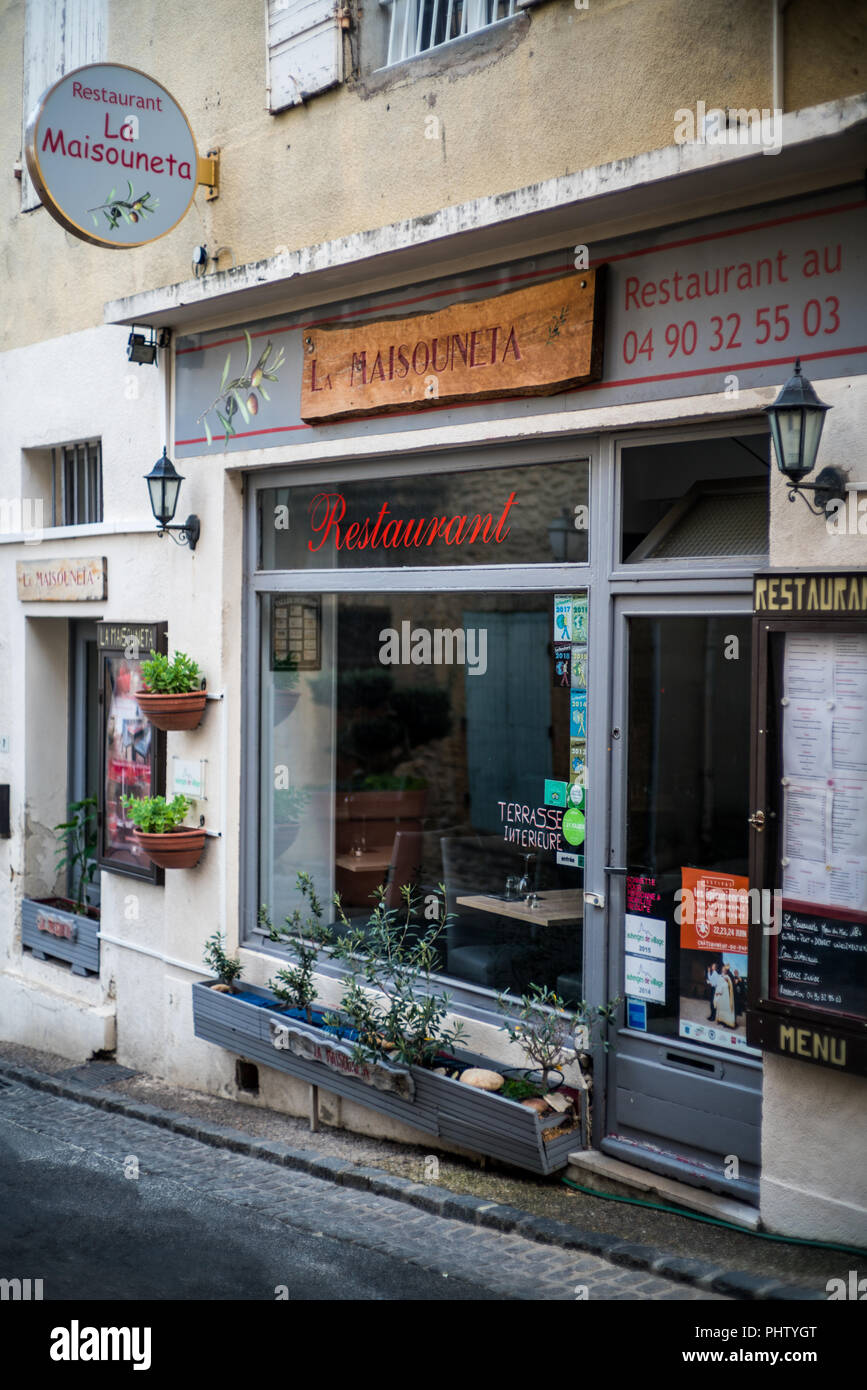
(684, 1086)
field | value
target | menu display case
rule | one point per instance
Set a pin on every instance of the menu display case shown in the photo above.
(808, 952)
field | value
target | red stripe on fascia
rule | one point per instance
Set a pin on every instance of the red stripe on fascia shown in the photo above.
(719, 369)
(716, 370)
(244, 434)
(537, 274)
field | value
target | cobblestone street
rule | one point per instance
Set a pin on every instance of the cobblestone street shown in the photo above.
(100, 1205)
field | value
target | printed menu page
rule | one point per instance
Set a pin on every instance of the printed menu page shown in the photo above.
(824, 841)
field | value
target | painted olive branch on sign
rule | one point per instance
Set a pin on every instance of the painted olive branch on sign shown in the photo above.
(232, 392)
(131, 208)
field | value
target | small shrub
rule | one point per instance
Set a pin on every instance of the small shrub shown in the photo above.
(179, 676)
(226, 968)
(153, 815)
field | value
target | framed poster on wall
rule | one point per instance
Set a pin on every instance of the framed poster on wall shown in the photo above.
(131, 751)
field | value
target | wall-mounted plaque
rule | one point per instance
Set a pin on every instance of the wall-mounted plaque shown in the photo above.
(59, 581)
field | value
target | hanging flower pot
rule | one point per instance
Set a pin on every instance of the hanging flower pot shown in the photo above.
(180, 848)
(171, 712)
(172, 697)
(159, 832)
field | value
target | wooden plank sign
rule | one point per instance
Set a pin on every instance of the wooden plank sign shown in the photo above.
(56, 580)
(528, 342)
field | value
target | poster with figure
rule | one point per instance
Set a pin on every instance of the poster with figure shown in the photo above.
(713, 914)
(132, 751)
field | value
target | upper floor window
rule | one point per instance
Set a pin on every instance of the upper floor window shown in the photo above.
(419, 25)
(76, 484)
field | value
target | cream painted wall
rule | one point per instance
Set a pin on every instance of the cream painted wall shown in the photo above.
(554, 91)
(90, 390)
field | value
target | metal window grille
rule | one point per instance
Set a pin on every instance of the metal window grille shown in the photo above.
(418, 25)
(76, 484)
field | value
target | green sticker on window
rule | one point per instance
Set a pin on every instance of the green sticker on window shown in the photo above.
(573, 826)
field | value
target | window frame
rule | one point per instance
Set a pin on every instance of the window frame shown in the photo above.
(80, 464)
(513, 6)
(471, 1001)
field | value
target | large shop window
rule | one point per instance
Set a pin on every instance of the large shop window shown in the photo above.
(428, 737)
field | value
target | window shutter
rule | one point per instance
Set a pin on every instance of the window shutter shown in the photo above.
(59, 35)
(305, 50)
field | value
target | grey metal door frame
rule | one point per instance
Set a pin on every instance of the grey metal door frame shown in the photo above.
(689, 1059)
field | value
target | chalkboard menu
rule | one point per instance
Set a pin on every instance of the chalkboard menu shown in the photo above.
(821, 963)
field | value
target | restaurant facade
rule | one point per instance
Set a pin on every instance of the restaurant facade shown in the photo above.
(495, 585)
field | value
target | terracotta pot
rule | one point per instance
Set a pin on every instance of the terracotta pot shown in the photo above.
(173, 849)
(173, 711)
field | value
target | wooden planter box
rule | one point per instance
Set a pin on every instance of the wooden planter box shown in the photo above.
(437, 1105)
(50, 930)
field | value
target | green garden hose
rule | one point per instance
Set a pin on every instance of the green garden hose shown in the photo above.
(715, 1221)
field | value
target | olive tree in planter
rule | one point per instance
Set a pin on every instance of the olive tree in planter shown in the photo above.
(68, 928)
(226, 968)
(391, 1045)
(159, 830)
(549, 1036)
(174, 696)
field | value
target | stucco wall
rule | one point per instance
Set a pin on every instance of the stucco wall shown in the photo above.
(556, 90)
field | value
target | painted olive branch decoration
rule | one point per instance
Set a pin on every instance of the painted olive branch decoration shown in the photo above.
(233, 393)
(555, 325)
(131, 208)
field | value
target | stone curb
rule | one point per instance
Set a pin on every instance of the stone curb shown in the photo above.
(477, 1211)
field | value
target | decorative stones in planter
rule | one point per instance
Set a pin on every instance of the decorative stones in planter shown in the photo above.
(178, 848)
(250, 1023)
(174, 696)
(51, 928)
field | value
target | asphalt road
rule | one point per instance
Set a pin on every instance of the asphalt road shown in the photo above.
(88, 1232)
(103, 1206)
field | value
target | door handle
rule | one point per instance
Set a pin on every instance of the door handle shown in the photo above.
(612, 869)
(757, 820)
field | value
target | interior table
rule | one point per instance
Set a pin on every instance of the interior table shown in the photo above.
(560, 906)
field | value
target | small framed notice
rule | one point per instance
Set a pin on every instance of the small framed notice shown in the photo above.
(296, 633)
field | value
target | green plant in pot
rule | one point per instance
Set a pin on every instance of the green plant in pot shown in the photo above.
(226, 968)
(173, 696)
(77, 853)
(160, 833)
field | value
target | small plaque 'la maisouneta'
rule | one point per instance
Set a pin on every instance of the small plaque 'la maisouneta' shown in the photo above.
(529, 342)
(56, 580)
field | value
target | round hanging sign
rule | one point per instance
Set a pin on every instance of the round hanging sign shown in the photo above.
(112, 156)
(573, 827)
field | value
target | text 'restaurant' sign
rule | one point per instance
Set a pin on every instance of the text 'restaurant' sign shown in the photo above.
(112, 156)
(531, 342)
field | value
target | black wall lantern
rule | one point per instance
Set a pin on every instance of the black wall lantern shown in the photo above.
(164, 485)
(796, 419)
